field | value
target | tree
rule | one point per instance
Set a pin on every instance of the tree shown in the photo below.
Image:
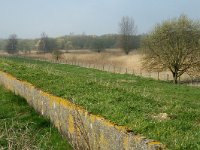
(42, 45)
(51, 45)
(46, 44)
(68, 45)
(25, 45)
(11, 45)
(57, 54)
(174, 45)
(3, 44)
(60, 43)
(127, 32)
(98, 44)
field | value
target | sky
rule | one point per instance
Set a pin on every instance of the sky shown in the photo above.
(29, 18)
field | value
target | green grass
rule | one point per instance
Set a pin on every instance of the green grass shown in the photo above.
(124, 99)
(22, 128)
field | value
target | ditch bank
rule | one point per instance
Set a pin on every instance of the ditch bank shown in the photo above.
(82, 129)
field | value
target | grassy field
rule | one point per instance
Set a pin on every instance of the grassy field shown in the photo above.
(110, 59)
(157, 109)
(21, 128)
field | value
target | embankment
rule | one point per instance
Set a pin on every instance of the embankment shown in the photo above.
(83, 129)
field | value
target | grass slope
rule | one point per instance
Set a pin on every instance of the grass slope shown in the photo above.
(21, 128)
(124, 99)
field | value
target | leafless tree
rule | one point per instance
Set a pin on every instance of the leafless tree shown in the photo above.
(42, 46)
(47, 44)
(11, 45)
(127, 32)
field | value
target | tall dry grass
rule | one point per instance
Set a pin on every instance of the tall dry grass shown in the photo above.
(114, 60)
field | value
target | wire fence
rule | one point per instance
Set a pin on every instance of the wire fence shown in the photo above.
(165, 76)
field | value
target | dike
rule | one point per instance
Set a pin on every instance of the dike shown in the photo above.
(81, 128)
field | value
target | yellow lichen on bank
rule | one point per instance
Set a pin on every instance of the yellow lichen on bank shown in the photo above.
(71, 124)
(125, 143)
(103, 140)
(154, 143)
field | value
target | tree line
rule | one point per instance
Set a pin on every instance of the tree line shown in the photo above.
(126, 39)
(69, 42)
(172, 45)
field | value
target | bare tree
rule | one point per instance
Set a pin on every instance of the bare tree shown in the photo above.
(174, 45)
(47, 44)
(42, 45)
(127, 32)
(11, 45)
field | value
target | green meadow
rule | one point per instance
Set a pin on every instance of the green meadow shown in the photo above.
(22, 128)
(158, 110)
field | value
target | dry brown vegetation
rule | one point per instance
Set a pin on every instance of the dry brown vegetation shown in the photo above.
(113, 60)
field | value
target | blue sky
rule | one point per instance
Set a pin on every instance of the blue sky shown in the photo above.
(29, 18)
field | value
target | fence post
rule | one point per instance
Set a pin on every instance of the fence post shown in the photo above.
(158, 75)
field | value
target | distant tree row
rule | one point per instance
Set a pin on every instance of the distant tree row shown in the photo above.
(68, 42)
(126, 40)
